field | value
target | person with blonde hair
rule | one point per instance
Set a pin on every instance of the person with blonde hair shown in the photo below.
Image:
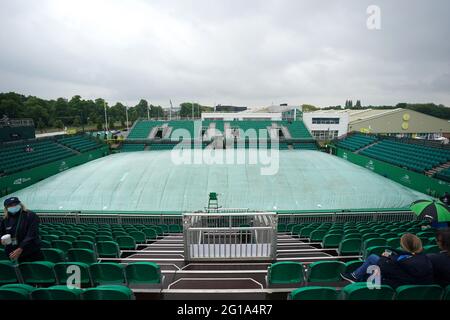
(19, 232)
(398, 267)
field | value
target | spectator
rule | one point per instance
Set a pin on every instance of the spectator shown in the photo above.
(445, 199)
(409, 266)
(19, 232)
(441, 261)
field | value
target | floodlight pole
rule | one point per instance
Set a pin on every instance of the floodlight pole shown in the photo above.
(126, 112)
(106, 116)
(148, 112)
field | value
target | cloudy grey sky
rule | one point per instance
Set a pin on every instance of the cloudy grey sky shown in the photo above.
(230, 52)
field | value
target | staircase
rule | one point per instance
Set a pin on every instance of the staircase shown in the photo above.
(437, 169)
(368, 146)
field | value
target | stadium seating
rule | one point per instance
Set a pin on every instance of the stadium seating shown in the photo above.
(39, 272)
(188, 127)
(285, 273)
(356, 141)
(108, 292)
(64, 269)
(16, 292)
(143, 273)
(314, 293)
(414, 157)
(443, 175)
(81, 143)
(128, 147)
(7, 273)
(325, 271)
(59, 292)
(360, 291)
(305, 146)
(142, 129)
(14, 158)
(416, 292)
(107, 273)
(297, 129)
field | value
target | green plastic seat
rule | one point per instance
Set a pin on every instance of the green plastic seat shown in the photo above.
(138, 236)
(282, 227)
(447, 293)
(150, 234)
(350, 246)
(85, 237)
(159, 230)
(372, 242)
(107, 273)
(393, 242)
(49, 237)
(286, 272)
(419, 292)
(109, 292)
(81, 255)
(38, 272)
(58, 292)
(103, 238)
(126, 243)
(165, 227)
(431, 249)
(317, 235)
(53, 255)
(378, 250)
(46, 244)
(108, 249)
(175, 228)
(331, 240)
(16, 292)
(68, 237)
(143, 273)
(351, 266)
(325, 271)
(3, 255)
(83, 244)
(306, 232)
(63, 271)
(360, 291)
(7, 272)
(314, 293)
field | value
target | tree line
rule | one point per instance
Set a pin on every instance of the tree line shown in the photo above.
(78, 112)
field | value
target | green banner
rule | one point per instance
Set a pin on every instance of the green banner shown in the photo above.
(410, 179)
(26, 178)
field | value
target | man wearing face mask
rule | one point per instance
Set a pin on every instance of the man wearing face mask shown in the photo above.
(19, 231)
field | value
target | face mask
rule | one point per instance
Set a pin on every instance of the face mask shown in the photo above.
(15, 209)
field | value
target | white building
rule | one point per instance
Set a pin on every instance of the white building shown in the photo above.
(231, 116)
(326, 124)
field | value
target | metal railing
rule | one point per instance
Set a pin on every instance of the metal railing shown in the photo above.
(229, 236)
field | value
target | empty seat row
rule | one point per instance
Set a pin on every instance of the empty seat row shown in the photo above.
(360, 291)
(40, 273)
(62, 292)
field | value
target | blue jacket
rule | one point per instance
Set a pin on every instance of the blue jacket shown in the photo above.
(27, 234)
(403, 268)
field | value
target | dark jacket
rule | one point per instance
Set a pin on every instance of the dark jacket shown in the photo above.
(27, 234)
(441, 267)
(414, 269)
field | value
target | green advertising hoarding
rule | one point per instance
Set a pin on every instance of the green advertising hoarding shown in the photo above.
(410, 179)
(26, 178)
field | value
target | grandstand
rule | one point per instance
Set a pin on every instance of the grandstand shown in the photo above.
(137, 224)
(424, 159)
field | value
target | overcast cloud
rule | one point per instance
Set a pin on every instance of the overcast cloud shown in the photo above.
(230, 52)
